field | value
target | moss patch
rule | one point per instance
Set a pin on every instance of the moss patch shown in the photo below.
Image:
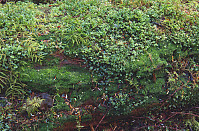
(61, 79)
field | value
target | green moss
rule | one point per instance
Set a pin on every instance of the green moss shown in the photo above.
(54, 78)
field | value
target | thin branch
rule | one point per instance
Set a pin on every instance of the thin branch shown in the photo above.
(185, 113)
(168, 118)
(115, 128)
(156, 127)
(170, 96)
(101, 120)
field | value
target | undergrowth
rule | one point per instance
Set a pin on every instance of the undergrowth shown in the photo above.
(142, 58)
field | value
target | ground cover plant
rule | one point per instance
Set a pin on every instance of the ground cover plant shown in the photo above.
(133, 61)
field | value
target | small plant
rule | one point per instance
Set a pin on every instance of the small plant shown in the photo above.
(10, 84)
(32, 105)
(78, 120)
(192, 123)
(4, 126)
(3, 80)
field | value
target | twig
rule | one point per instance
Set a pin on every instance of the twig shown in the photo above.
(168, 118)
(175, 113)
(156, 127)
(170, 96)
(101, 120)
(185, 113)
(115, 128)
(193, 108)
(91, 126)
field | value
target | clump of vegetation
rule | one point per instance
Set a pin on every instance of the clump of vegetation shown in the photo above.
(32, 105)
(141, 59)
